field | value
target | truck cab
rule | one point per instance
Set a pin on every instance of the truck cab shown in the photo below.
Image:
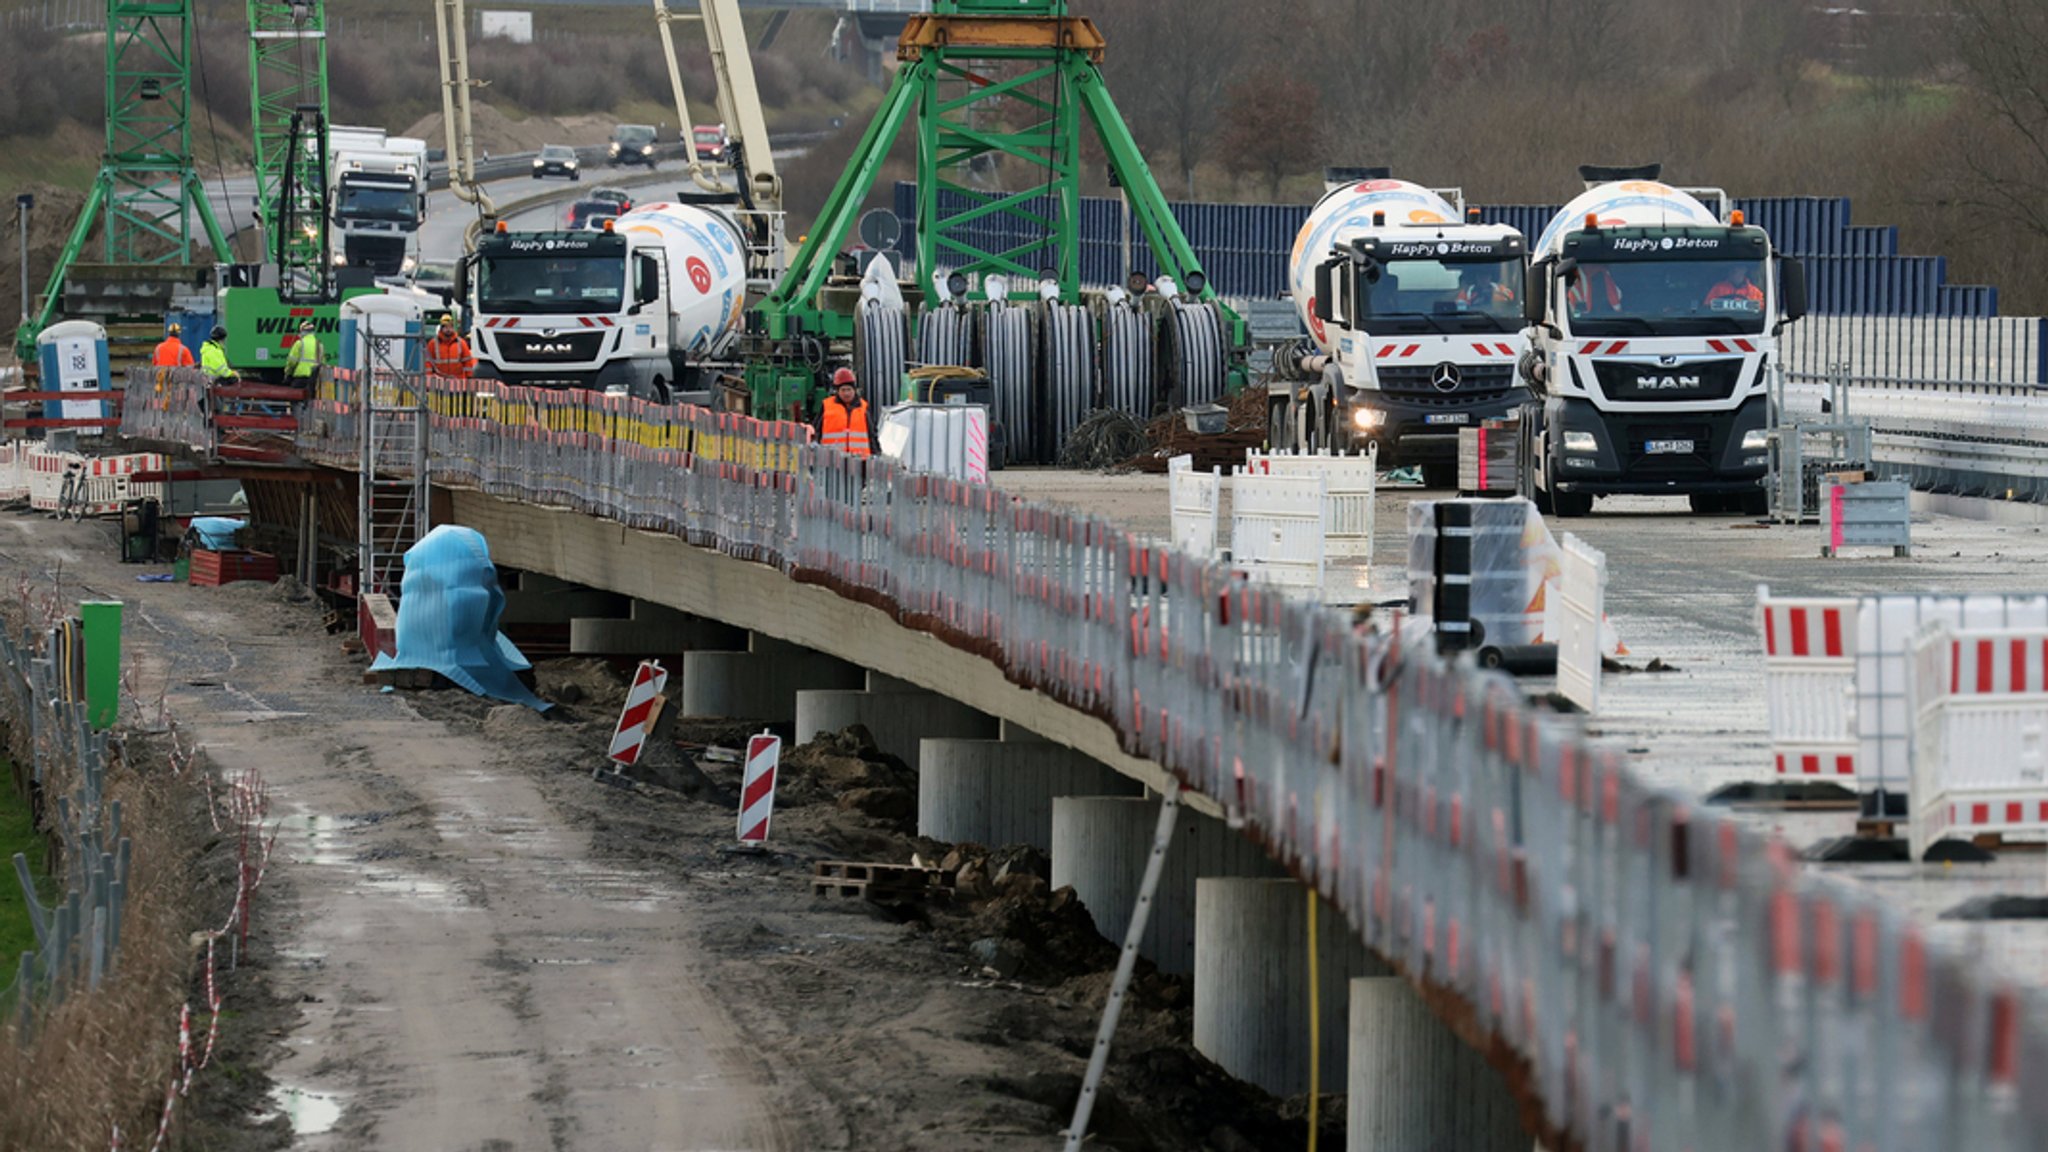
(378, 201)
(1653, 329)
(1414, 310)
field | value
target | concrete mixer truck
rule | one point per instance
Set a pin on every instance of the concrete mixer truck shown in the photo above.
(1414, 321)
(642, 307)
(1653, 328)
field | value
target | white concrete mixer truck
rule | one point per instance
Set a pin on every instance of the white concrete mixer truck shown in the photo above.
(1653, 329)
(642, 307)
(1414, 321)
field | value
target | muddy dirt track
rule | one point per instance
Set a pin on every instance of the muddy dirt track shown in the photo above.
(467, 943)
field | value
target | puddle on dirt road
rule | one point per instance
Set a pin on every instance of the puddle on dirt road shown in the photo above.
(321, 840)
(310, 1112)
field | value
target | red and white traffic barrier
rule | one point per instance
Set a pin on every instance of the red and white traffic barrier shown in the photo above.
(634, 718)
(1810, 684)
(757, 787)
(1980, 755)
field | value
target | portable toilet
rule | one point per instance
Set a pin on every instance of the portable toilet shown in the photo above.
(382, 331)
(73, 354)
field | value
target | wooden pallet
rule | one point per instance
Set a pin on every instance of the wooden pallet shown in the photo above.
(849, 879)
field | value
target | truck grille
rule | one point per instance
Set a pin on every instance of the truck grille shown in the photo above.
(1419, 382)
(1679, 384)
(561, 348)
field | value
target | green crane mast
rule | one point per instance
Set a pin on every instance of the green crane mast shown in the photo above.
(146, 201)
(980, 81)
(287, 82)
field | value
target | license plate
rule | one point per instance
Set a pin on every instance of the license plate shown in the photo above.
(1667, 447)
(1446, 417)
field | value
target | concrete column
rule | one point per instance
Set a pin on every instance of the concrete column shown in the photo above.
(761, 683)
(1099, 845)
(650, 629)
(539, 599)
(897, 720)
(1414, 1086)
(994, 792)
(1251, 982)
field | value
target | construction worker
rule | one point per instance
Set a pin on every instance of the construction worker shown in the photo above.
(302, 363)
(172, 353)
(448, 353)
(1739, 292)
(213, 357)
(844, 422)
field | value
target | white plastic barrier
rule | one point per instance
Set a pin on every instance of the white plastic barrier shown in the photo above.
(13, 471)
(1350, 489)
(1581, 605)
(1196, 501)
(1277, 529)
(1810, 684)
(949, 440)
(1980, 734)
(102, 483)
(1886, 629)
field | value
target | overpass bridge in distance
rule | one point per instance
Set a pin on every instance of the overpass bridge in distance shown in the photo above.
(1638, 969)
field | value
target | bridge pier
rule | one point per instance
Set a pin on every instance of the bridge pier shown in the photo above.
(1099, 846)
(899, 717)
(534, 598)
(1414, 1086)
(1251, 982)
(650, 629)
(998, 792)
(762, 682)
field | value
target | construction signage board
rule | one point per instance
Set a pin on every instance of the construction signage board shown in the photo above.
(757, 791)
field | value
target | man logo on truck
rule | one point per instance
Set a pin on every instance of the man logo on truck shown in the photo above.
(1667, 383)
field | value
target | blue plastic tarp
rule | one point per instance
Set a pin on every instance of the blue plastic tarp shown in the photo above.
(449, 605)
(217, 533)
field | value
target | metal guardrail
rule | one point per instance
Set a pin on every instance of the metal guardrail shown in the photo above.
(1656, 973)
(1958, 438)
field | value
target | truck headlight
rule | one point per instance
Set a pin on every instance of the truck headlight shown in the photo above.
(1366, 419)
(1755, 440)
(1580, 442)
(340, 260)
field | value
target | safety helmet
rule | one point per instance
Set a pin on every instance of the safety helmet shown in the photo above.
(174, 329)
(305, 326)
(448, 319)
(218, 333)
(842, 376)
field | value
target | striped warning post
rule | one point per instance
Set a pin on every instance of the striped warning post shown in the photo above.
(631, 734)
(757, 788)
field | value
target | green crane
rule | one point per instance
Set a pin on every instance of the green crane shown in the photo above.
(980, 81)
(146, 201)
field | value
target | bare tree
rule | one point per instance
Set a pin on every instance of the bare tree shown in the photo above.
(1176, 63)
(1273, 124)
(2002, 139)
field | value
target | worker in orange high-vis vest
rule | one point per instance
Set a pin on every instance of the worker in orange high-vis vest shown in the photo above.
(844, 422)
(172, 353)
(448, 353)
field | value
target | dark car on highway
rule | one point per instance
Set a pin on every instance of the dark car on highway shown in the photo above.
(556, 160)
(631, 144)
(591, 214)
(617, 196)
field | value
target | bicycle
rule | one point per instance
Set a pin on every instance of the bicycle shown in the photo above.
(71, 496)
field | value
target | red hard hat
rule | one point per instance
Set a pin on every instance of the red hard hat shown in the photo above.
(842, 376)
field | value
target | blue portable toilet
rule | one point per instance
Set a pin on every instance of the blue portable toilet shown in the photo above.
(73, 354)
(383, 331)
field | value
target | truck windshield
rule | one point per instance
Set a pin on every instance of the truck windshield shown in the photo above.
(1667, 298)
(376, 202)
(1444, 296)
(530, 284)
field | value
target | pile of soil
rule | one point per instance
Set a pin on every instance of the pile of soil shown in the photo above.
(846, 770)
(495, 132)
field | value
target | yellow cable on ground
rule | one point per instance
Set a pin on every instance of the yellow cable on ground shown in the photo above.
(1315, 1029)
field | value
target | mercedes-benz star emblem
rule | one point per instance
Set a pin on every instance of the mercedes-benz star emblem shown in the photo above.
(1445, 377)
